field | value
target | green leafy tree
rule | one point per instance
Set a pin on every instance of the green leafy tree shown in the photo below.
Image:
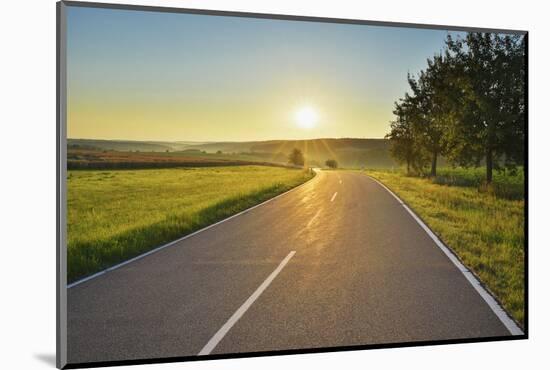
(404, 146)
(331, 163)
(296, 157)
(431, 108)
(467, 105)
(489, 72)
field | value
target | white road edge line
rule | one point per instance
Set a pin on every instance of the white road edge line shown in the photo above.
(510, 324)
(102, 272)
(213, 342)
(334, 196)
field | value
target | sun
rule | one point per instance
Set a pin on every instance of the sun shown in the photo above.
(306, 117)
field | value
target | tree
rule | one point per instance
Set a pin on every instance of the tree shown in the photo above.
(331, 163)
(489, 70)
(219, 152)
(467, 105)
(296, 157)
(431, 108)
(404, 146)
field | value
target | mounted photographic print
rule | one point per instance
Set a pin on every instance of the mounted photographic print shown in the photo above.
(235, 184)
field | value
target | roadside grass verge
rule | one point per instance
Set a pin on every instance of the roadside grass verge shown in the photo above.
(118, 214)
(485, 230)
(505, 184)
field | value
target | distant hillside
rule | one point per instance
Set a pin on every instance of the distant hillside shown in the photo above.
(129, 145)
(348, 152)
(351, 153)
(226, 146)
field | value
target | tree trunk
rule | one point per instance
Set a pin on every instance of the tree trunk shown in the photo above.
(489, 155)
(408, 166)
(489, 166)
(433, 172)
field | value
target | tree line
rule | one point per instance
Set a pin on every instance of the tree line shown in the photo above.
(296, 158)
(467, 105)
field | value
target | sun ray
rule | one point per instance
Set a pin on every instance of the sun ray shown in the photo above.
(280, 149)
(329, 149)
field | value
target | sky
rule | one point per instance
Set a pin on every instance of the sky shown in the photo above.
(140, 75)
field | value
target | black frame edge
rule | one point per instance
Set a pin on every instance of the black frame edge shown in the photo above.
(526, 200)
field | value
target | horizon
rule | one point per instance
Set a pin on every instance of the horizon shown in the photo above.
(218, 78)
(228, 141)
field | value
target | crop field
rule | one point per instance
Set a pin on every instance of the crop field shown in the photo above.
(117, 214)
(110, 159)
(484, 227)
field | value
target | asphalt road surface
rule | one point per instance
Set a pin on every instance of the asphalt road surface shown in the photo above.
(335, 262)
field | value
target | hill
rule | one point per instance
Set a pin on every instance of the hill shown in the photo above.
(128, 145)
(349, 152)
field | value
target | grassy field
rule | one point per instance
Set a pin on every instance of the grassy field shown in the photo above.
(484, 228)
(117, 214)
(505, 184)
(94, 159)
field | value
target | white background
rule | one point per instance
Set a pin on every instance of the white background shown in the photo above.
(27, 181)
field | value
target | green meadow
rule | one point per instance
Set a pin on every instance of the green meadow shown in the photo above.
(483, 226)
(117, 214)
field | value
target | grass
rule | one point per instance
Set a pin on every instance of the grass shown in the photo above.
(117, 214)
(89, 159)
(505, 184)
(484, 228)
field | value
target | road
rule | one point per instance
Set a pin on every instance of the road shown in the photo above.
(335, 262)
